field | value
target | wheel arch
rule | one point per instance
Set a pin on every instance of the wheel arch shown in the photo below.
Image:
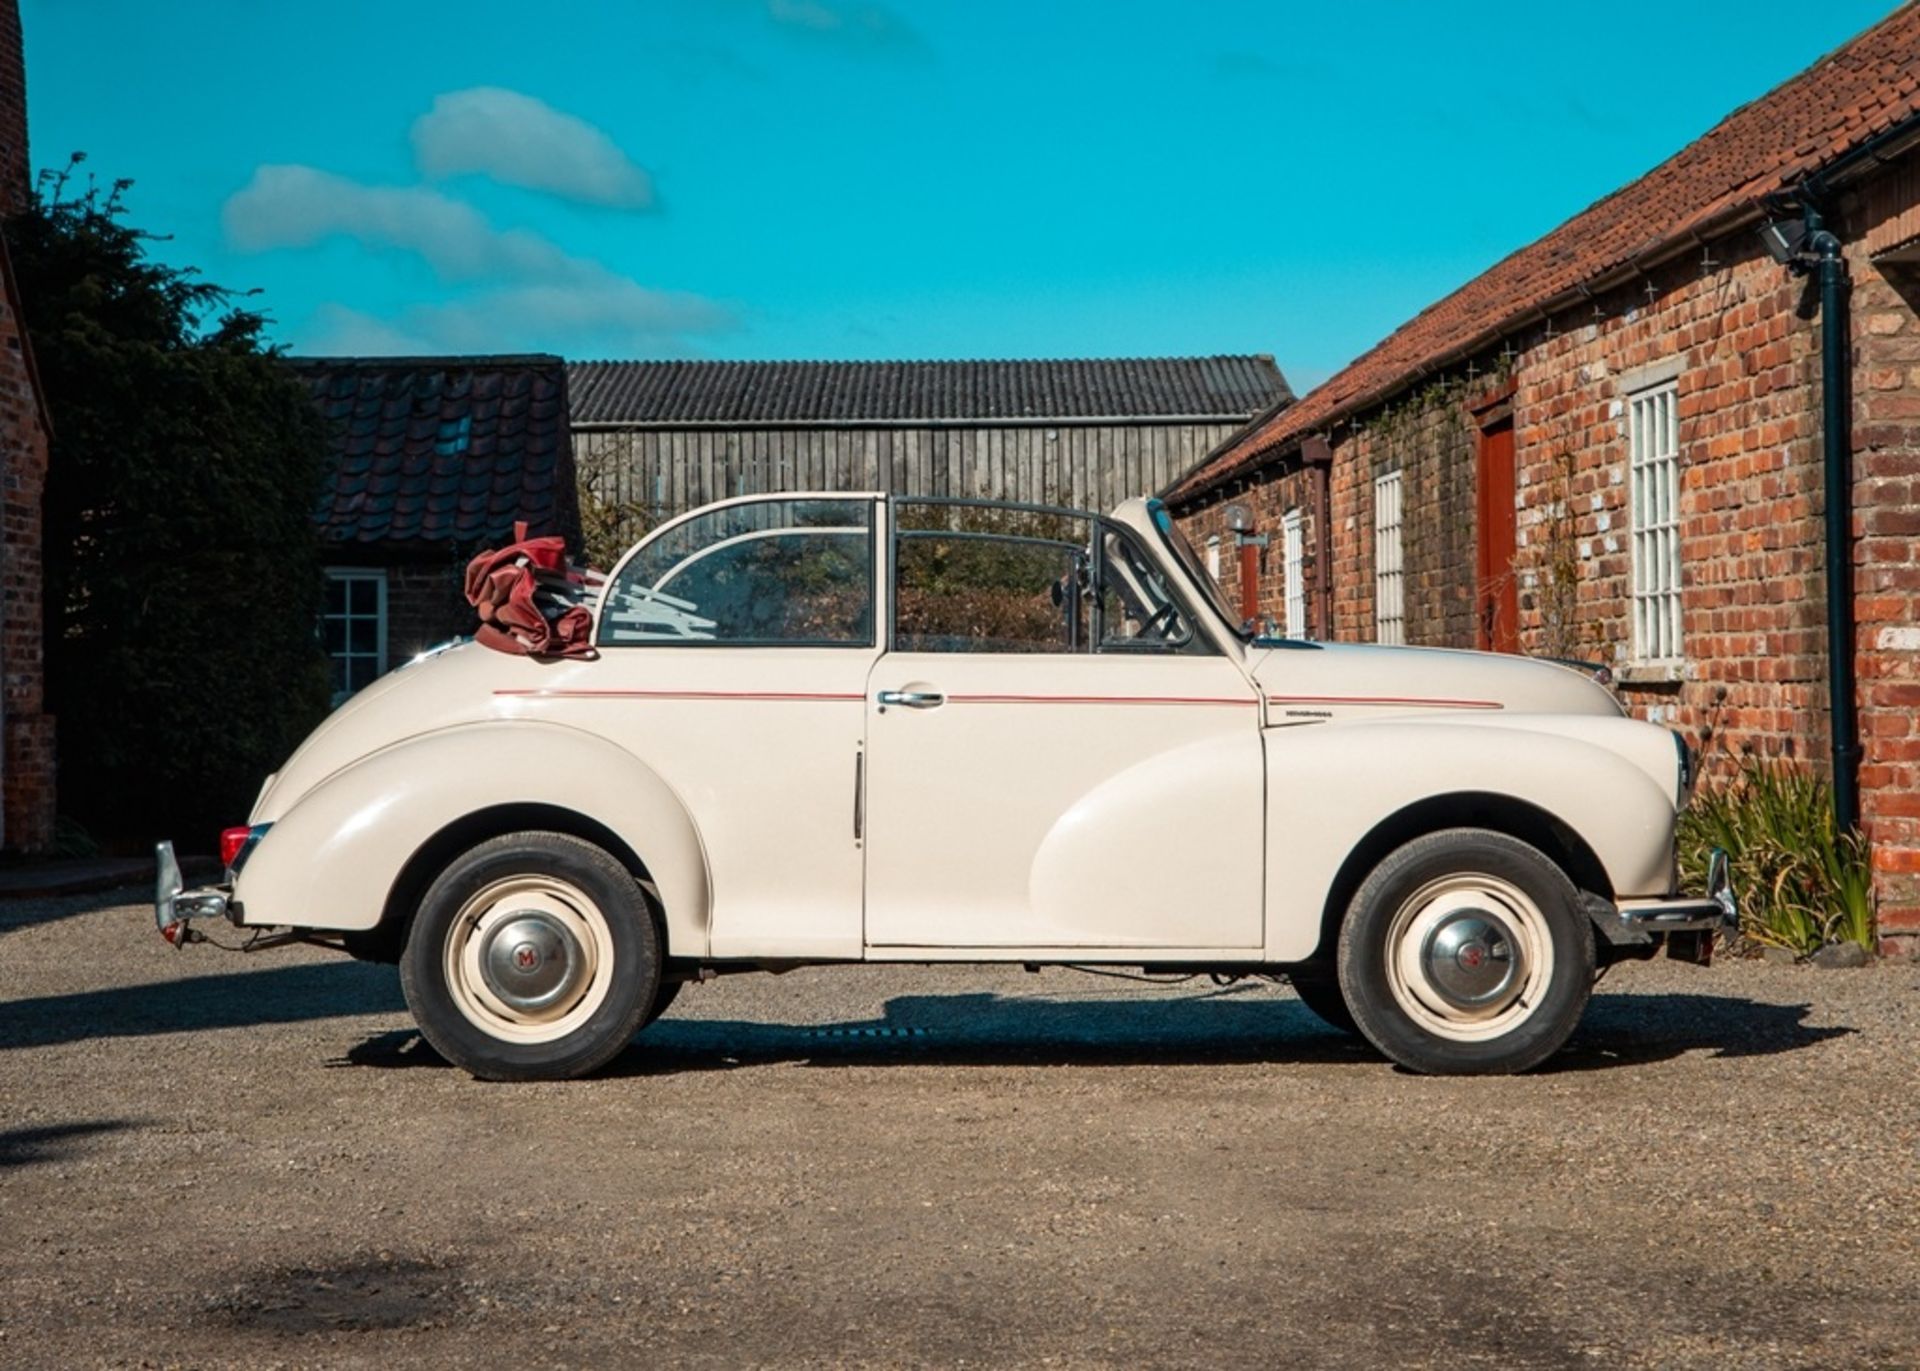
(1516, 818)
(347, 855)
(384, 941)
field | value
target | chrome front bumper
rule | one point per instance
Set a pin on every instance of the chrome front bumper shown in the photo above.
(174, 906)
(1719, 910)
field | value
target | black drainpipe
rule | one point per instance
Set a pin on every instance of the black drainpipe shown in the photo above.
(1836, 370)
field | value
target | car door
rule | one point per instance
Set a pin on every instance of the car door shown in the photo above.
(1056, 756)
(735, 647)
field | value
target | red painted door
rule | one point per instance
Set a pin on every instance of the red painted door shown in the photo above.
(1496, 597)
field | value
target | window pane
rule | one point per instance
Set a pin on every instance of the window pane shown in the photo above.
(363, 595)
(1653, 506)
(773, 572)
(363, 635)
(980, 592)
(336, 633)
(336, 595)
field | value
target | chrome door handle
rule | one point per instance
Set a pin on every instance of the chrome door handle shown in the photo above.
(912, 699)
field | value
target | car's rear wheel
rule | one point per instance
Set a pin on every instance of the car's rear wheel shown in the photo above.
(533, 956)
(1466, 952)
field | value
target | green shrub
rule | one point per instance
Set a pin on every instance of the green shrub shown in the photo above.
(182, 574)
(1802, 883)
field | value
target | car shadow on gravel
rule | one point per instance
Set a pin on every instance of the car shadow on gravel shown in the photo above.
(1629, 1030)
(993, 1030)
(240, 999)
(53, 1142)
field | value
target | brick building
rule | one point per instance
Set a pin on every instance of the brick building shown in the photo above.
(1610, 446)
(26, 730)
(430, 460)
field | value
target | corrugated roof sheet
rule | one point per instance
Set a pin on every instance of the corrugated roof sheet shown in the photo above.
(1849, 96)
(774, 393)
(443, 450)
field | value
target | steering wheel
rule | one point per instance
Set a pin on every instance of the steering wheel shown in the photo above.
(1162, 622)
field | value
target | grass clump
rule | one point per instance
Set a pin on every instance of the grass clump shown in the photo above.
(1802, 882)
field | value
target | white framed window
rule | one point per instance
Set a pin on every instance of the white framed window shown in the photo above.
(1389, 581)
(1293, 547)
(354, 627)
(1213, 555)
(1653, 499)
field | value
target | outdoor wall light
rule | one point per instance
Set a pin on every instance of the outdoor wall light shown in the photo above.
(1786, 239)
(1239, 519)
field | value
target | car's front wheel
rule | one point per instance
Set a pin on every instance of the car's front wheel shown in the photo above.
(1466, 952)
(533, 956)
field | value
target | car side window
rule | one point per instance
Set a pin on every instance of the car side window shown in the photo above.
(982, 579)
(768, 573)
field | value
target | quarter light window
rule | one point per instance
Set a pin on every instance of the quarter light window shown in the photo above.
(1389, 582)
(1294, 560)
(1653, 493)
(768, 573)
(354, 628)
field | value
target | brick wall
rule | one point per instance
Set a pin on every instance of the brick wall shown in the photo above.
(16, 176)
(1268, 502)
(1886, 442)
(26, 731)
(1740, 337)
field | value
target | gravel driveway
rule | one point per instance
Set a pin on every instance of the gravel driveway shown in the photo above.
(210, 1160)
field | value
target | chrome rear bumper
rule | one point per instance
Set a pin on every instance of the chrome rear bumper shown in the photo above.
(174, 906)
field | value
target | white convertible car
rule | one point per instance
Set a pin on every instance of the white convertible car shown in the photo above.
(862, 728)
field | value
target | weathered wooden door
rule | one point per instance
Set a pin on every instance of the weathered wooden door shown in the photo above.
(1496, 597)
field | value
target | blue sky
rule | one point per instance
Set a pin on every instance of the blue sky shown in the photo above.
(879, 178)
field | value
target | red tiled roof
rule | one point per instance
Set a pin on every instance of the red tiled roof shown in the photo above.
(1870, 85)
(443, 451)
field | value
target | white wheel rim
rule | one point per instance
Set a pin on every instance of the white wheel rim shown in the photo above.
(528, 959)
(1469, 957)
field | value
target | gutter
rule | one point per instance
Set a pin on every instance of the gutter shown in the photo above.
(1836, 432)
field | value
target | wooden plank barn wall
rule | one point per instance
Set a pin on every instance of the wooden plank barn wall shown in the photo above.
(653, 439)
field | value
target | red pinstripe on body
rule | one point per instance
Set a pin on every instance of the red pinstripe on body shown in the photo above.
(1382, 700)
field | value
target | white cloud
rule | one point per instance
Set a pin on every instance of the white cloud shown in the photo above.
(858, 22)
(522, 141)
(613, 316)
(295, 206)
(525, 291)
(337, 330)
(620, 319)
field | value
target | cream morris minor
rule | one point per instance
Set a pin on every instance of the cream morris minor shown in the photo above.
(858, 728)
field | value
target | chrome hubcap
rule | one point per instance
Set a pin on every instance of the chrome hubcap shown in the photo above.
(528, 958)
(1469, 957)
(1472, 960)
(531, 961)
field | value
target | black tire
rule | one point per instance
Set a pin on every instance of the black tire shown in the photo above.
(663, 999)
(1489, 873)
(626, 946)
(1318, 986)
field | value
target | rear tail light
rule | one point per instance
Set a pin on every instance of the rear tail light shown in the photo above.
(236, 843)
